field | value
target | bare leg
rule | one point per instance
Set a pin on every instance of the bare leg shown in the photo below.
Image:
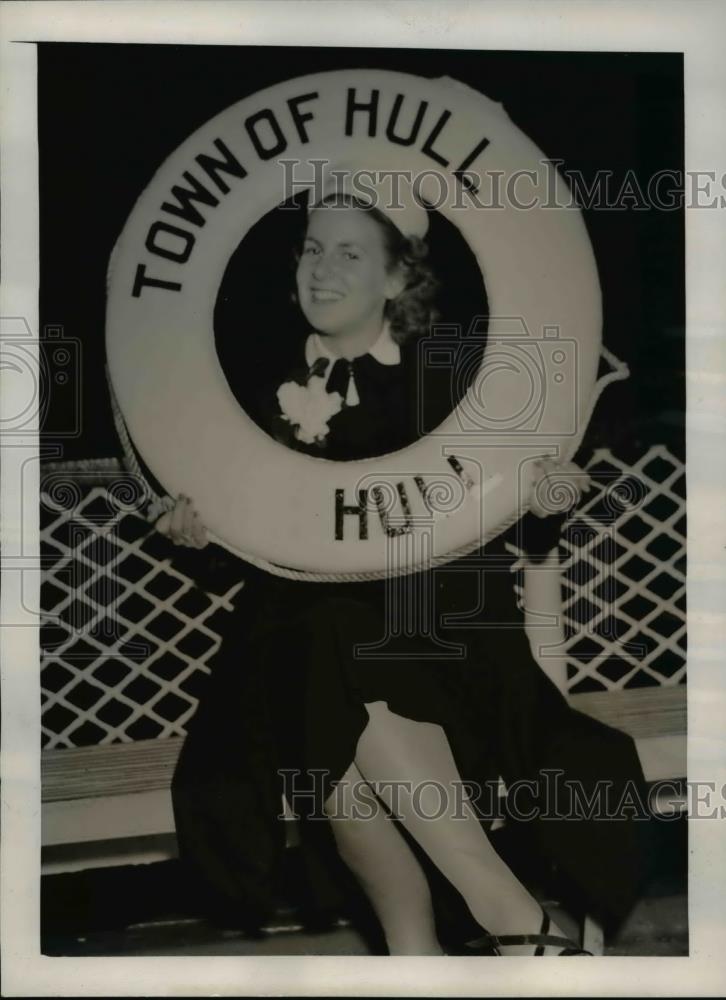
(418, 756)
(379, 857)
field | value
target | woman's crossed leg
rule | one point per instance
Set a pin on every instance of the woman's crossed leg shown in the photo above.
(409, 765)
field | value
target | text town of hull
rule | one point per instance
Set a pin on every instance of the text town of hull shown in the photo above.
(269, 132)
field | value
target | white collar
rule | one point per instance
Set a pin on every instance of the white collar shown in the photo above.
(385, 349)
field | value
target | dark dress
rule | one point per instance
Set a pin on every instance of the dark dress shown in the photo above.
(285, 705)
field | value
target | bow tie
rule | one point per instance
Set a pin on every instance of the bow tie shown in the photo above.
(345, 375)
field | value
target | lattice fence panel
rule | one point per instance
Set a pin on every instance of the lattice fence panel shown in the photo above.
(127, 637)
(624, 575)
(623, 564)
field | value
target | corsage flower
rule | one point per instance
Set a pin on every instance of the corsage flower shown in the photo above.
(308, 407)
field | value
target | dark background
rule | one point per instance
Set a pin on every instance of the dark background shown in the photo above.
(109, 115)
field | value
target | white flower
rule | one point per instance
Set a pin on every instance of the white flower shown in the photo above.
(308, 408)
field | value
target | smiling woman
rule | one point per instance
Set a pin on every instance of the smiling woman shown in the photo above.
(344, 278)
(347, 257)
(366, 291)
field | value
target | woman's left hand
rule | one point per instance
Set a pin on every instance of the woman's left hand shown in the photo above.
(558, 487)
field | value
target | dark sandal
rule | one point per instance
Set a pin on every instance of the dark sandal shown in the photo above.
(541, 941)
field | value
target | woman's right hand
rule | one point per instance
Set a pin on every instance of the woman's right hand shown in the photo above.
(183, 525)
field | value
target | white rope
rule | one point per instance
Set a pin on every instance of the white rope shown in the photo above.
(159, 504)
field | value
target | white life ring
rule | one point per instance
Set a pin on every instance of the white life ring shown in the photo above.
(448, 491)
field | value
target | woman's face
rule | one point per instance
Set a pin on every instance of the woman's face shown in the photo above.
(342, 277)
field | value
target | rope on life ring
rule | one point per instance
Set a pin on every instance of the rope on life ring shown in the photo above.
(159, 504)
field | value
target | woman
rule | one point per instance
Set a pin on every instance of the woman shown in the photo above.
(360, 739)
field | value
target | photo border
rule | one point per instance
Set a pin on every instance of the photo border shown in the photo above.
(693, 28)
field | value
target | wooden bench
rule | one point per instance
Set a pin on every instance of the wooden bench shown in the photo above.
(122, 791)
(107, 805)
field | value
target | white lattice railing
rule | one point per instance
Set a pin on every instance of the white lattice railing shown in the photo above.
(624, 575)
(127, 637)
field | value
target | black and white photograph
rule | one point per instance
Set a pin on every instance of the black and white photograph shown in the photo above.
(359, 462)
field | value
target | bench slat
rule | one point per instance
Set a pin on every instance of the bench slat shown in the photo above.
(148, 765)
(109, 769)
(640, 712)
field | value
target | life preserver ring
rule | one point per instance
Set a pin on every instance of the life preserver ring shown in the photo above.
(473, 475)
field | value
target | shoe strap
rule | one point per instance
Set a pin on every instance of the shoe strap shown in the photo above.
(486, 941)
(541, 941)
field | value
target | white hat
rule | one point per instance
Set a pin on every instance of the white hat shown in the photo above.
(392, 194)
